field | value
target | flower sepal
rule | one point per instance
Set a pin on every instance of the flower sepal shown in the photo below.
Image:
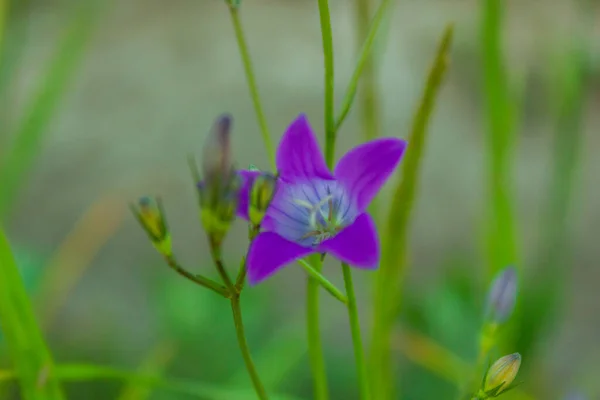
(261, 193)
(151, 216)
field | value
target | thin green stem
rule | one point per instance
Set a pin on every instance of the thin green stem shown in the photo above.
(330, 287)
(215, 252)
(315, 346)
(327, 38)
(249, 71)
(198, 279)
(241, 336)
(361, 366)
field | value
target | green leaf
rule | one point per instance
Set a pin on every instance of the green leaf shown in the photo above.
(500, 120)
(30, 355)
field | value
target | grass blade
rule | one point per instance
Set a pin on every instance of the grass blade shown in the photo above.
(500, 119)
(30, 355)
(389, 278)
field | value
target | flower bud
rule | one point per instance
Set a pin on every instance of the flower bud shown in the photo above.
(501, 374)
(150, 214)
(261, 193)
(502, 296)
(220, 188)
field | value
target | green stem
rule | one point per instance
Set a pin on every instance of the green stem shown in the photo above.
(249, 71)
(215, 252)
(329, 84)
(315, 347)
(241, 336)
(198, 279)
(330, 287)
(361, 367)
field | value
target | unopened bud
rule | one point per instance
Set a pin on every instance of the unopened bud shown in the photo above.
(150, 214)
(502, 296)
(220, 188)
(261, 193)
(501, 375)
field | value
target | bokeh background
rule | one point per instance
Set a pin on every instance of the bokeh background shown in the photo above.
(147, 80)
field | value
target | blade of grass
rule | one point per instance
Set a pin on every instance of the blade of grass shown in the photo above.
(155, 363)
(365, 63)
(43, 106)
(389, 279)
(76, 253)
(30, 355)
(500, 115)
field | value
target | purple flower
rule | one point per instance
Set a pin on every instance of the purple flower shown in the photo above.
(315, 211)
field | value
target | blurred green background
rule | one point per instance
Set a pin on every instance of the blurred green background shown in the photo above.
(102, 102)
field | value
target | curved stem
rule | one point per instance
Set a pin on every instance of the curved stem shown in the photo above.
(315, 347)
(198, 279)
(241, 336)
(246, 60)
(330, 287)
(361, 367)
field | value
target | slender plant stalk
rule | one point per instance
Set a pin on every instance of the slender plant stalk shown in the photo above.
(241, 336)
(330, 287)
(234, 292)
(198, 279)
(361, 366)
(388, 290)
(315, 346)
(248, 69)
(215, 251)
(330, 132)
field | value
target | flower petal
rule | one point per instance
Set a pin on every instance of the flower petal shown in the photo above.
(365, 168)
(268, 253)
(298, 155)
(357, 244)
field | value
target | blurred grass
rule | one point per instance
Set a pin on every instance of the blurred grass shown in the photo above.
(88, 373)
(448, 313)
(542, 303)
(389, 280)
(27, 140)
(155, 363)
(76, 254)
(30, 355)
